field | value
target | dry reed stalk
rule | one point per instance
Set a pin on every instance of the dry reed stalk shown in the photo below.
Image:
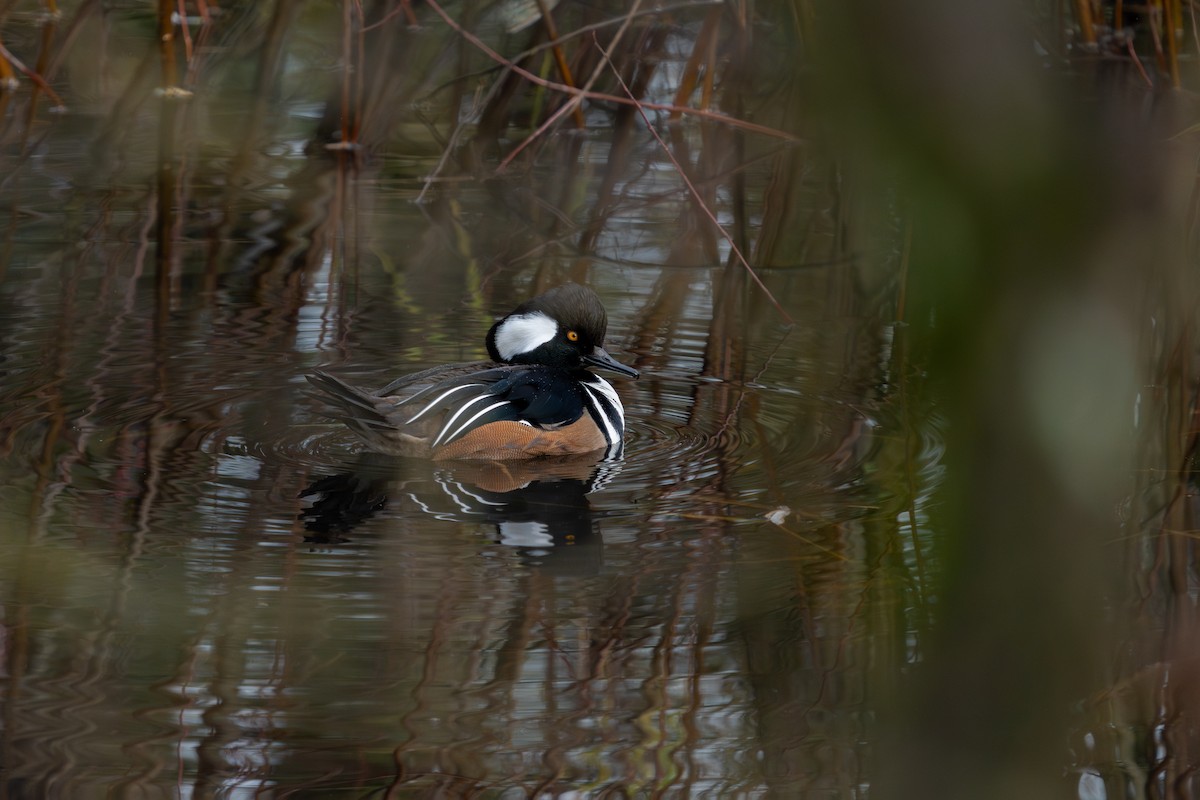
(1156, 25)
(185, 32)
(43, 61)
(166, 42)
(8, 77)
(14, 62)
(1087, 28)
(165, 219)
(410, 16)
(703, 49)
(1137, 62)
(564, 70)
(360, 77)
(195, 61)
(352, 87)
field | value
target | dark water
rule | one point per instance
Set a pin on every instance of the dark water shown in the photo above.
(208, 589)
(179, 617)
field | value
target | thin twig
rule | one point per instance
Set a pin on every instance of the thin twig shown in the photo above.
(695, 193)
(405, 8)
(574, 102)
(187, 34)
(33, 76)
(584, 94)
(691, 70)
(447, 151)
(657, 11)
(1137, 62)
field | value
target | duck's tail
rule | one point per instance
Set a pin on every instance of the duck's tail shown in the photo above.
(358, 408)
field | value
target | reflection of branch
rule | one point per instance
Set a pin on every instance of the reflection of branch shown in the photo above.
(695, 193)
(28, 73)
(583, 94)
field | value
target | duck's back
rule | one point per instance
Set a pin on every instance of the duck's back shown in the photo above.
(479, 410)
(406, 386)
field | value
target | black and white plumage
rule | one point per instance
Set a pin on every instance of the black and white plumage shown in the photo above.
(534, 399)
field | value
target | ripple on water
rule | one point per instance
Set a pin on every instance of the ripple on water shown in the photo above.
(304, 446)
(678, 429)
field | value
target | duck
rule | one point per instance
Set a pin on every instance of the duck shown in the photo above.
(537, 396)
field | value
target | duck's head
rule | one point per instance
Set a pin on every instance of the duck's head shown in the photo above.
(563, 327)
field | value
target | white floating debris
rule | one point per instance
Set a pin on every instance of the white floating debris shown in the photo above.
(778, 515)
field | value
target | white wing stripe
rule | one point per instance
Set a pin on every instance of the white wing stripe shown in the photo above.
(483, 398)
(606, 389)
(439, 399)
(467, 424)
(601, 416)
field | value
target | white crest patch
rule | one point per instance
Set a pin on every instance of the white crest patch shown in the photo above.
(526, 332)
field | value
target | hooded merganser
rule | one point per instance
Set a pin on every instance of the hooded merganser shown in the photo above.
(534, 398)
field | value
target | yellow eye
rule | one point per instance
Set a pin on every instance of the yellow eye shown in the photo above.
(573, 336)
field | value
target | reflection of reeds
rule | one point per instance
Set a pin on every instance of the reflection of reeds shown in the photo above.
(1155, 683)
(169, 91)
(735, 195)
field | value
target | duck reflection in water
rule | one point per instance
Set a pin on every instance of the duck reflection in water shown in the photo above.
(539, 506)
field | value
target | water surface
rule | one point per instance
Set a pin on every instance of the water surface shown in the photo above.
(209, 589)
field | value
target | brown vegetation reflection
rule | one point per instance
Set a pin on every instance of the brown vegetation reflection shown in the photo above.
(205, 199)
(576, 665)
